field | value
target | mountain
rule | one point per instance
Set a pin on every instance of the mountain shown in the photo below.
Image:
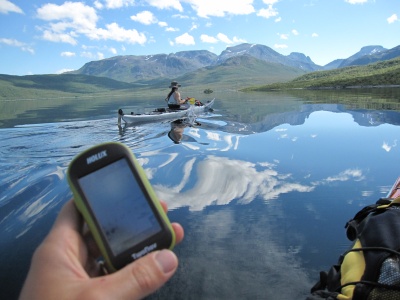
(164, 67)
(237, 72)
(377, 56)
(234, 73)
(297, 60)
(382, 73)
(131, 68)
(333, 64)
(367, 50)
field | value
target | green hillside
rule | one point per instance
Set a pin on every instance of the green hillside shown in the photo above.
(378, 74)
(239, 72)
(50, 86)
(235, 73)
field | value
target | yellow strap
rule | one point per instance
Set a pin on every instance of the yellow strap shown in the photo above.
(352, 269)
(396, 200)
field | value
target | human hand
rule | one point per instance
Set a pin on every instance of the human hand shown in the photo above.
(63, 267)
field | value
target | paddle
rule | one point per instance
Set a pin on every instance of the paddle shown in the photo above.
(192, 101)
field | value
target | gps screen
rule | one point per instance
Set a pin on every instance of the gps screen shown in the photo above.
(120, 207)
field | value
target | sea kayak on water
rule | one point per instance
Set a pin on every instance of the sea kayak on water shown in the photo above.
(395, 190)
(162, 114)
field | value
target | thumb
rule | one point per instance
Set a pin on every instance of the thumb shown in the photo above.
(142, 277)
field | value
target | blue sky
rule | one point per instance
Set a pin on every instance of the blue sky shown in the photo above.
(47, 37)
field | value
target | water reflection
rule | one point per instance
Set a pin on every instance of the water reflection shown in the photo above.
(176, 134)
(263, 186)
(220, 180)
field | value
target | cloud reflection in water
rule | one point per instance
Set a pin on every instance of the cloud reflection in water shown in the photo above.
(221, 180)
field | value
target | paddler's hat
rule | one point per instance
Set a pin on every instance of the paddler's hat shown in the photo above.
(174, 84)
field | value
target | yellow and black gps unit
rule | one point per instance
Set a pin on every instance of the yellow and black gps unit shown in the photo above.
(119, 205)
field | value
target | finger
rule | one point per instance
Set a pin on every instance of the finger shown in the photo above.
(64, 244)
(68, 217)
(140, 278)
(164, 205)
(179, 232)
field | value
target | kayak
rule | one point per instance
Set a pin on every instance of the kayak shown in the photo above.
(162, 114)
(395, 190)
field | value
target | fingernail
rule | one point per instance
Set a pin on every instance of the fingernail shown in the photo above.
(167, 260)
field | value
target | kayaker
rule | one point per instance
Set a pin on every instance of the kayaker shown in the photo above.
(174, 99)
(176, 132)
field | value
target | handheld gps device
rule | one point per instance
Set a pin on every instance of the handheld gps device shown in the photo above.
(119, 205)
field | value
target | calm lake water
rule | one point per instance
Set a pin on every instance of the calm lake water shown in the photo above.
(263, 187)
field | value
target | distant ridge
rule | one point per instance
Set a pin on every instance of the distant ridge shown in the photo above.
(380, 74)
(365, 51)
(236, 68)
(132, 68)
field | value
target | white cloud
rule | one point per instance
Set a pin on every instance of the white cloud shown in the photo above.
(91, 55)
(72, 19)
(7, 6)
(194, 27)
(163, 24)
(166, 4)
(112, 4)
(388, 147)
(355, 174)
(185, 39)
(113, 51)
(208, 39)
(171, 29)
(393, 18)
(179, 16)
(267, 12)
(71, 14)
(116, 33)
(221, 38)
(356, 1)
(98, 4)
(68, 19)
(11, 42)
(270, 2)
(145, 17)
(295, 32)
(247, 181)
(278, 19)
(51, 36)
(314, 35)
(280, 46)
(67, 54)
(18, 44)
(283, 36)
(220, 8)
(224, 38)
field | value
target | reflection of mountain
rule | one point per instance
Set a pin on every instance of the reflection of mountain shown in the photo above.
(363, 117)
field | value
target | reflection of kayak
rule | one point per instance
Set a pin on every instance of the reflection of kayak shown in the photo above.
(164, 114)
(395, 190)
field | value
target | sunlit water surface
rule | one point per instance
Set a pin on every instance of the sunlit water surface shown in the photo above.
(263, 197)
